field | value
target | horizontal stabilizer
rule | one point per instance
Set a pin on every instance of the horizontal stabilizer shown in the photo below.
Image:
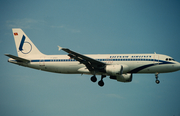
(17, 58)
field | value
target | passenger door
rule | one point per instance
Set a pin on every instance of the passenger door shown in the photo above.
(156, 59)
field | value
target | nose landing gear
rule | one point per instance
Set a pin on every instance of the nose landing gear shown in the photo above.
(156, 76)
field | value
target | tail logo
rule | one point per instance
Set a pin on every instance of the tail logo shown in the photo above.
(25, 47)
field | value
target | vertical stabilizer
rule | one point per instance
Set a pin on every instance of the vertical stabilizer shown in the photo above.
(24, 46)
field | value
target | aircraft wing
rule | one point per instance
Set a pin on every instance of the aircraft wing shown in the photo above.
(17, 58)
(90, 63)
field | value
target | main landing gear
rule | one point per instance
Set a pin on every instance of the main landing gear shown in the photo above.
(93, 79)
(101, 82)
(157, 81)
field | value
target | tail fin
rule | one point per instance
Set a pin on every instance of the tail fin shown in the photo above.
(24, 45)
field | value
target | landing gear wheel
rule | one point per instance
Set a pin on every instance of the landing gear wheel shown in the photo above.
(156, 76)
(93, 79)
(101, 83)
(157, 81)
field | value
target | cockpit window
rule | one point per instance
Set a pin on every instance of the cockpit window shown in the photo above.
(170, 59)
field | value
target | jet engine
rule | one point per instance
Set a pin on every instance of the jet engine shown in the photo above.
(124, 77)
(114, 69)
(117, 69)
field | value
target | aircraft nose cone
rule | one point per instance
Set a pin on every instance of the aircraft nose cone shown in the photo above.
(178, 66)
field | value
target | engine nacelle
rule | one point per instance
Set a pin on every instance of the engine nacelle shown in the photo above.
(117, 69)
(114, 69)
(124, 77)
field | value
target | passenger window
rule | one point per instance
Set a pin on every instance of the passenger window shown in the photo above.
(166, 59)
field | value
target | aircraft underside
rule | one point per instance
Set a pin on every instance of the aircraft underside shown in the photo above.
(78, 68)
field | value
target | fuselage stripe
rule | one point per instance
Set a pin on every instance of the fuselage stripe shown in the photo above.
(69, 60)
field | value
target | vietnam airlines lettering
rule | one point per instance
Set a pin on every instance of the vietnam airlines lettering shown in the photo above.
(130, 56)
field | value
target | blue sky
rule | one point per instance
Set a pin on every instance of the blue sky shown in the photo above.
(89, 27)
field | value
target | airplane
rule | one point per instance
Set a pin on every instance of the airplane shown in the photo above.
(120, 67)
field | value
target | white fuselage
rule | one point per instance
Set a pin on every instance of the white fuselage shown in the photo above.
(117, 66)
(132, 63)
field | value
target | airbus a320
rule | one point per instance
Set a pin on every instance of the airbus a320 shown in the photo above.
(120, 67)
